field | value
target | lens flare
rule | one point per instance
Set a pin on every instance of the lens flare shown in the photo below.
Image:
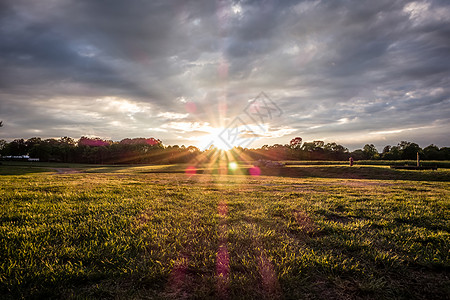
(191, 107)
(191, 170)
(232, 166)
(254, 171)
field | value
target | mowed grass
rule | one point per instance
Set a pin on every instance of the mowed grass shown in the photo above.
(317, 232)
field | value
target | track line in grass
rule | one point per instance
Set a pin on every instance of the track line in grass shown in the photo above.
(266, 270)
(176, 287)
(269, 278)
(223, 271)
(223, 256)
(181, 280)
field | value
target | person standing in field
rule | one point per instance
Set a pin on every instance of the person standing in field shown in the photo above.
(351, 161)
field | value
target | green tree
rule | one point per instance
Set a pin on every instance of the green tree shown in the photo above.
(31, 142)
(336, 151)
(358, 154)
(314, 150)
(294, 148)
(370, 152)
(395, 153)
(432, 152)
(3, 145)
(444, 153)
(17, 147)
(313, 146)
(409, 150)
(66, 148)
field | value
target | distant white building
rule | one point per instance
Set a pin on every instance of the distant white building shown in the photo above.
(19, 157)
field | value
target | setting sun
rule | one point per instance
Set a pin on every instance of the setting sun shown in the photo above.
(214, 139)
(233, 165)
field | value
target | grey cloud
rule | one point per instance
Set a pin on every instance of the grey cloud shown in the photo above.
(322, 61)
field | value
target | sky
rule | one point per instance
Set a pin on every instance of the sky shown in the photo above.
(192, 71)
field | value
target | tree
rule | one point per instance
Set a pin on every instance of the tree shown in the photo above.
(66, 148)
(313, 146)
(318, 144)
(370, 152)
(395, 153)
(403, 144)
(314, 150)
(18, 147)
(192, 149)
(431, 152)
(43, 151)
(358, 154)
(333, 147)
(3, 145)
(336, 151)
(92, 142)
(445, 153)
(32, 141)
(296, 143)
(67, 141)
(409, 150)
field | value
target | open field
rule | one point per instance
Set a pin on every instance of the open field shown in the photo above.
(152, 232)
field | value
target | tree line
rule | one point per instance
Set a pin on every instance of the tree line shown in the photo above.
(318, 150)
(151, 150)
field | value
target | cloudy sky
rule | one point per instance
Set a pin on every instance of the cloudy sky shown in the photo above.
(353, 72)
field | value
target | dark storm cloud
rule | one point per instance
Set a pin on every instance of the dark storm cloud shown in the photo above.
(336, 68)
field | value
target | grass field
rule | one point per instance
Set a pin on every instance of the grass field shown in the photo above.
(154, 232)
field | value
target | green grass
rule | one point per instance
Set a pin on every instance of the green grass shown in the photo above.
(325, 232)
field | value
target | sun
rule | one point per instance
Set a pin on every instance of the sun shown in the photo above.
(205, 141)
(233, 166)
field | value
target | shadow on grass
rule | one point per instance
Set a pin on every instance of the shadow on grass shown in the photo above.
(21, 170)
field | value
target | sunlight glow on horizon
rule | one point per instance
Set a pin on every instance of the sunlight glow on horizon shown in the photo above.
(205, 141)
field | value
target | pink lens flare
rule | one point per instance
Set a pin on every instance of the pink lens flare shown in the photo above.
(255, 108)
(223, 262)
(269, 277)
(191, 170)
(222, 209)
(223, 70)
(177, 279)
(223, 256)
(223, 107)
(191, 107)
(254, 171)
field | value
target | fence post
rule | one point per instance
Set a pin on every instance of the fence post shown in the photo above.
(418, 159)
